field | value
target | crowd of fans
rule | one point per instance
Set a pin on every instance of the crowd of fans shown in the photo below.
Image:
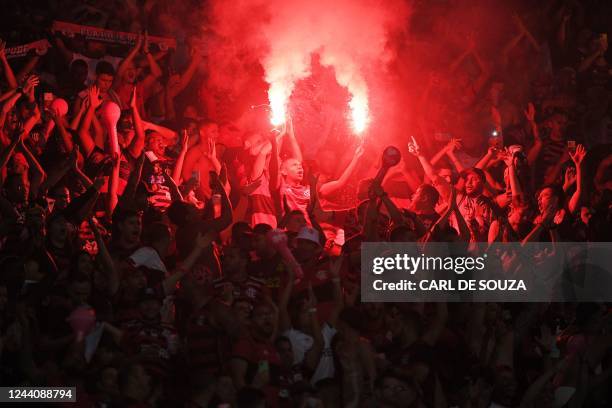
(153, 257)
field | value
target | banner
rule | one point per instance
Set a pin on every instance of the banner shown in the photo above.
(102, 34)
(40, 47)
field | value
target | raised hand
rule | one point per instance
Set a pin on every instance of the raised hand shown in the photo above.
(211, 152)
(569, 177)
(413, 147)
(134, 99)
(93, 94)
(578, 156)
(31, 83)
(453, 144)
(530, 112)
(184, 140)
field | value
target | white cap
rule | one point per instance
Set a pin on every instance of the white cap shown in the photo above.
(309, 234)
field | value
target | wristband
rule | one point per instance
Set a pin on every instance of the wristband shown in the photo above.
(312, 310)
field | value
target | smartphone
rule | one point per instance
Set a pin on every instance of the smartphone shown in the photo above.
(571, 145)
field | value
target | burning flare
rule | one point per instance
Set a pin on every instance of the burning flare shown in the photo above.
(278, 97)
(359, 113)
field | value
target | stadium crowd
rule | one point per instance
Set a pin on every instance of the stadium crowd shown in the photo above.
(155, 254)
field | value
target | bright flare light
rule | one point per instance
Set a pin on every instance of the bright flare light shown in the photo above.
(278, 104)
(359, 113)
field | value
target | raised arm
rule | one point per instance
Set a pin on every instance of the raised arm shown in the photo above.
(8, 71)
(86, 141)
(578, 159)
(413, 147)
(129, 59)
(186, 77)
(332, 186)
(138, 142)
(296, 152)
(203, 241)
(7, 152)
(156, 71)
(39, 175)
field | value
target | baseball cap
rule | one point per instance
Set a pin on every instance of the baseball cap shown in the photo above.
(309, 234)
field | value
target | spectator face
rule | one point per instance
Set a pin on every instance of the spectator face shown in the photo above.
(233, 261)
(130, 74)
(104, 82)
(421, 200)
(296, 222)
(149, 309)
(547, 199)
(156, 144)
(18, 190)
(135, 279)
(209, 131)
(473, 185)
(286, 353)
(263, 321)
(259, 243)
(12, 121)
(62, 198)
(19, 164)
(293, 171)
(130, 229)
(396, 393)
(254, 143)
(446, 174)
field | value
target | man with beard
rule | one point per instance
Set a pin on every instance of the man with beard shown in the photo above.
(255, 361)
